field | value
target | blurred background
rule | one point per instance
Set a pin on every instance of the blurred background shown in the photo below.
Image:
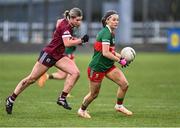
(151, 27)
(147, 25)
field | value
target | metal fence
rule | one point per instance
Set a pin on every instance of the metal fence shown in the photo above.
(150, 32)
(18, 32)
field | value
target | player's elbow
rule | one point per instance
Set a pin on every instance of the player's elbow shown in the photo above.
(67, 42)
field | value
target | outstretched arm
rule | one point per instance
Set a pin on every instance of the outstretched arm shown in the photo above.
(69, 41)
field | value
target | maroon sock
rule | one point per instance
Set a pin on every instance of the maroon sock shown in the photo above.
(13, 97)
(63, 95)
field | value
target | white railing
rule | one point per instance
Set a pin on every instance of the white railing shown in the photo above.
(151, 32)
(11, 31)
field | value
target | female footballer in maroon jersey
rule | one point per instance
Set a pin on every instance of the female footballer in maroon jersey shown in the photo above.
(69, 52)
(53, 55)
(102, 65)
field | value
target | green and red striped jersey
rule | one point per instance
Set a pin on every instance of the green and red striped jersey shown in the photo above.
(99, 62)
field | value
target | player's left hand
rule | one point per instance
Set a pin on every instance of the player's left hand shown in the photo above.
(85, 38)
(124, 63)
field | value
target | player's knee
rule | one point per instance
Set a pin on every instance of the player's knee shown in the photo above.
(27, 81)
(76, 74)
(31, 80)
(125, 86)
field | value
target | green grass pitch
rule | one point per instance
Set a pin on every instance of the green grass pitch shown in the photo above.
(153, 95)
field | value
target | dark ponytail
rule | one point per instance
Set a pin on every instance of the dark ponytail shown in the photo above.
(106, 16)
(103, 22)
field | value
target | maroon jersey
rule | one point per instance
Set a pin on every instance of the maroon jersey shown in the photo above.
(56, 47)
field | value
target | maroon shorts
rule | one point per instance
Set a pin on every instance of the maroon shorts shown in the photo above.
(98, 76)
(46, 59)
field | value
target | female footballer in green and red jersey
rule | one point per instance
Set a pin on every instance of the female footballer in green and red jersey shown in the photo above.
(102, 64)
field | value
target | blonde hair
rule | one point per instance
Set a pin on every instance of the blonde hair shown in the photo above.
(73, 13)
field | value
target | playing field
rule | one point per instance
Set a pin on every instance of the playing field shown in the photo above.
(153, 96)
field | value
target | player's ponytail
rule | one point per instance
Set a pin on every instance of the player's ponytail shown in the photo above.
(107, 16)
(103, 22)
(66, 14)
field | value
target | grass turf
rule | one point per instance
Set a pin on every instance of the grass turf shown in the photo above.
(153, 95)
